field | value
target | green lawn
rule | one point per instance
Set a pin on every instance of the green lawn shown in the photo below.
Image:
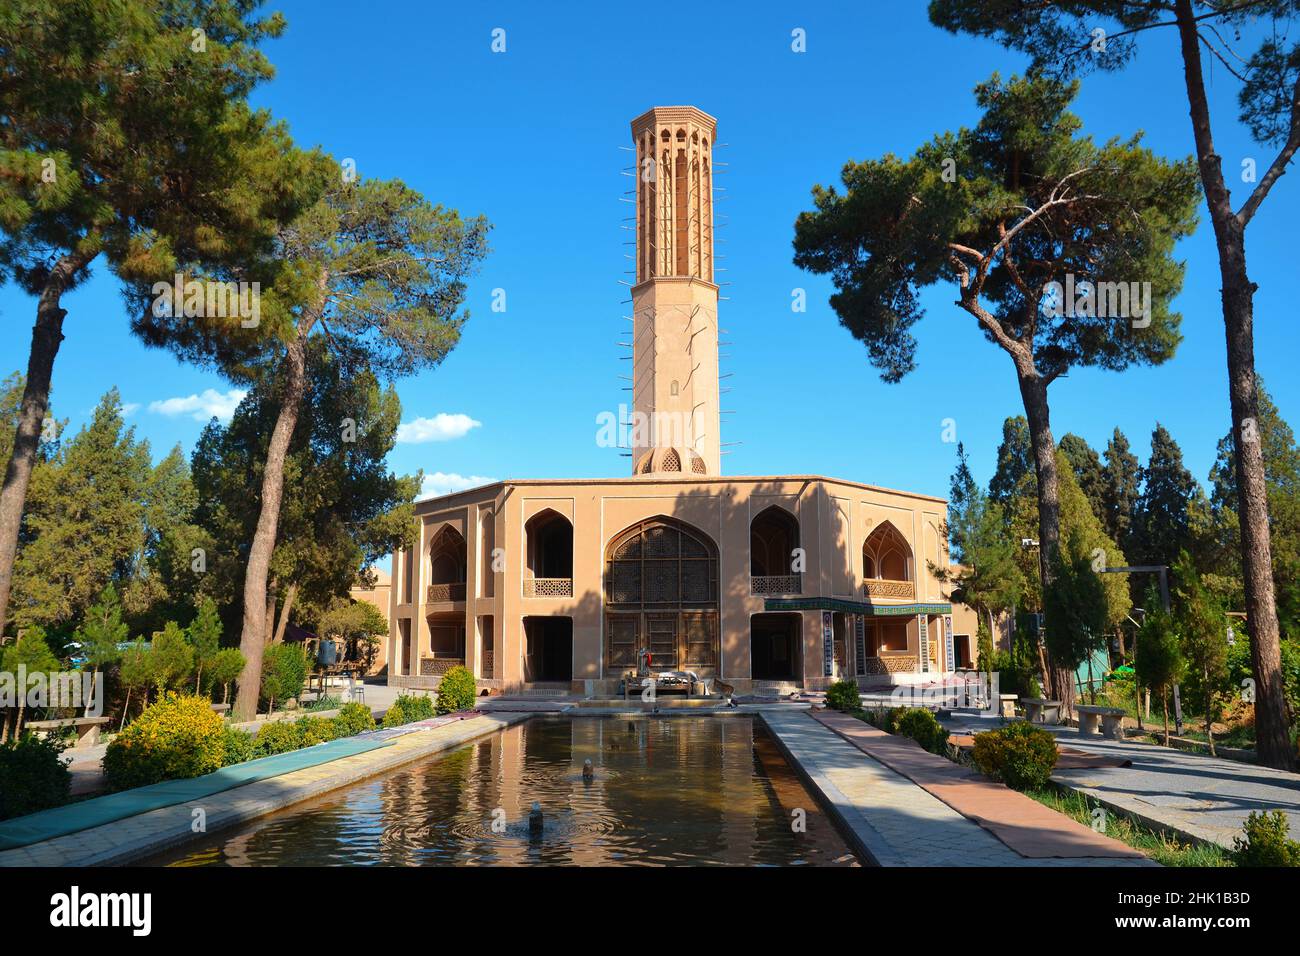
(1164, 849)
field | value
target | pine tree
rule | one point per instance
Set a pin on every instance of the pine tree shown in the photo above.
(1015, 463)
(204, 636)
(1162, 519)
(102, 632)
(1157, 658)
(1203, 627)
(83, 522)
(125, 135)
(1121, 486)
(1088, 473)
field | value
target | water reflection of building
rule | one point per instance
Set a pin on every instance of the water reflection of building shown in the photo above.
(766, 582)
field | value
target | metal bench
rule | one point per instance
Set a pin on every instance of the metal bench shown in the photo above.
(87, 728)
(1109, 718)
(1039, 710)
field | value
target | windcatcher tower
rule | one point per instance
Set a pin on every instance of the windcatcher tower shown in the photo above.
(675, 299)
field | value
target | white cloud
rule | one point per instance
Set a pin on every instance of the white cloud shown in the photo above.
(441, 427)
(209, 404)
(442, 483)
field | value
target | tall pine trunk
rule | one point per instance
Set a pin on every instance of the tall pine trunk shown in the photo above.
(1033, 391)
(1272, 740)
(47, 336)
(253, 637)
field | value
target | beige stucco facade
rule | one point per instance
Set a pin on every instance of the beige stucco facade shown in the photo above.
(764, 582)
(477, 588)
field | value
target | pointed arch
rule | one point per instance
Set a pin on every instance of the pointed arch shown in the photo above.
(886, 555)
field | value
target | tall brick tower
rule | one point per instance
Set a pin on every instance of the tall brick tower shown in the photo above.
(675, 299)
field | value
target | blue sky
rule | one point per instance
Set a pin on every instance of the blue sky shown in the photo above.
(530, 138)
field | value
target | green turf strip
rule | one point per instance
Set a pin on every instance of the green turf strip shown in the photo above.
(60, 821)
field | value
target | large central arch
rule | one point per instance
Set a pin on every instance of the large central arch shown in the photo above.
(661, 593)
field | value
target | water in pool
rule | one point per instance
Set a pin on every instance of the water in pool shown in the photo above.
(665, 791)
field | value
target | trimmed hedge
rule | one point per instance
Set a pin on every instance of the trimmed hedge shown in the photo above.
(923, 727)
(844, 695)
(33, 775)
(176, 738)
(1020, 755)
(408, 708)
(456, 691)
(354, 719)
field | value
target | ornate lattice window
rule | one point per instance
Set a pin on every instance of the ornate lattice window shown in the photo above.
(661, 594)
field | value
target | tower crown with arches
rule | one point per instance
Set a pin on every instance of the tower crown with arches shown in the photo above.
(675, 300)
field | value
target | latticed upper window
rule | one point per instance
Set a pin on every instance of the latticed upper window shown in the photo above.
(662, 564)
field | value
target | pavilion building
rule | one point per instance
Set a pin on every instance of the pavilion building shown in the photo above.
(770, 583)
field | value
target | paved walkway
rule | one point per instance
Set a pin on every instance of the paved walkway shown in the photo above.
(132, 839)
(894, 821)
(1204, 797)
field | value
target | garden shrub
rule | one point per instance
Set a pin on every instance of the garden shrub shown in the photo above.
(284, 672)
(33, 774)
(1266, 842)
(240, 746)
(175, 738)
(1020, 755)
(923, 727)
(323, 703)
(353, 719)
(278, 737)
(316, 730)
(416, 707)
(455, 692)
(844, 695)
(394, 716)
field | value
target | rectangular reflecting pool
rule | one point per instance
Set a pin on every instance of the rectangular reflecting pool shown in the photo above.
(664, 792)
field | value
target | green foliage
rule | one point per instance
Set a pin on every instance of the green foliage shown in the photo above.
(1162, 519)
(456, 691)
(102, 630)
(1265, 842)
(1088, 474)
(903, 225)
(204, 636)
(31, 651)
(1075, 610)
(177, 737)
(227, 664)
(316, 730)
(986, 575)
(1241, 667)
(1121, 478)
(323, 703)
(1157, 659)
(34, 774)
(1020, 755)
(354, 719)
(356, 625)
(171, 658)
(239, 746)
(922, 726)
(1202, 625)
(82, 521)
(284, 672)
(844, 695)
(278, 737)
(395, 716)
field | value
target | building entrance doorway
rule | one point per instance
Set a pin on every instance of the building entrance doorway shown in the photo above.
(774, 647)
(548, 649)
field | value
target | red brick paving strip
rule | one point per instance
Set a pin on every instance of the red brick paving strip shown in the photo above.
(1023, 824)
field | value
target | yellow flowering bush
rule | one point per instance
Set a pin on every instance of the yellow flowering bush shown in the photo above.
(178, 737)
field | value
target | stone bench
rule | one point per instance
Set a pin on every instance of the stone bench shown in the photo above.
(1039, 710)
(1007, 704)
(87, 728)
(1108, 717)
(221, 708)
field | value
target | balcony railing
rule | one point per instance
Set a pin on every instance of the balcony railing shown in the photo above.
(439, 664)
(548, 587)
(441, 593)
(889, 589)
(775, 583)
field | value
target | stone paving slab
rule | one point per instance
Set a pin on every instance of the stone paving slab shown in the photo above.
(1199, 796)
(146, 834)
(892, 820)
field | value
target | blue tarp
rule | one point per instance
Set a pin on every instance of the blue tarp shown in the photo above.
(60, 821)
